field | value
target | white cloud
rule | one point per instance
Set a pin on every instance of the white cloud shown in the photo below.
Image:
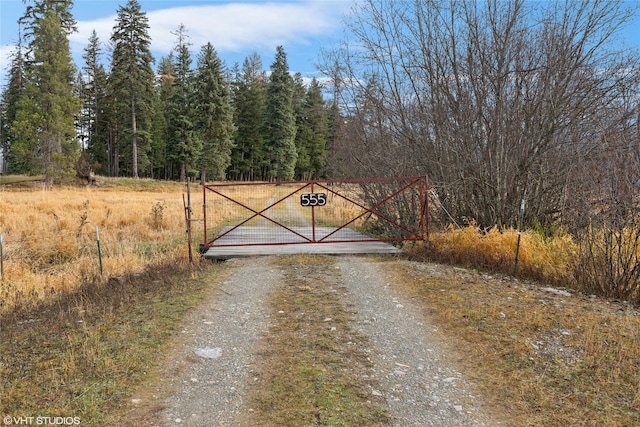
(5, 57)
(232, 27)
(240, 27)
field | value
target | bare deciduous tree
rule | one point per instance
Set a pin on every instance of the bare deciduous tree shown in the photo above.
(495, 101)
(607, 208)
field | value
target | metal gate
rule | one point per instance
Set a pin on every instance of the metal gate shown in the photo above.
(303, 212)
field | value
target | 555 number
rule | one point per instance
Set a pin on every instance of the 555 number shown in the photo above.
(313, 199)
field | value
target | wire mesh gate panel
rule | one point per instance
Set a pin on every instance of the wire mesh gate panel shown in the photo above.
(315, 212)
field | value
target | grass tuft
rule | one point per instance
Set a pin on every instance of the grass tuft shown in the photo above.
(81, 355)
(312, 365)
(558, 359)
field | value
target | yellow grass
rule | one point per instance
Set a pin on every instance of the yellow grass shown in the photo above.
(49, 236)
(550, 260)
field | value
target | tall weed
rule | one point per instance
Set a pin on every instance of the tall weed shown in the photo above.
(50, 242)
(603, 261)
(547, 259)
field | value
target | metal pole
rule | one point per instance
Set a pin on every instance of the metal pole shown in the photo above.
(204, 213)
(1, 263)
(187, 217)
(313, 218)
(99, 251)
(515, 266)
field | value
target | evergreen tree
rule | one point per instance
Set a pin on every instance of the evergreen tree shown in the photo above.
(311, 135)
(44, 123)
(158, 137)
(164, 91)
(214, 115)
(248, 156)
(11, 95)
(116, 116)
(184, 145)
(334, 123)
(304, 134)
(82, 119)
(132, 83)
(316, 119)
(94, 104)
(280, 122)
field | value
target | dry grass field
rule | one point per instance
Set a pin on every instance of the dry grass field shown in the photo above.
(77, 342)
(548, 259)
(50, 243)
(49, 236)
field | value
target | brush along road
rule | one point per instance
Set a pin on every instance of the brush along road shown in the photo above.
(311, 340)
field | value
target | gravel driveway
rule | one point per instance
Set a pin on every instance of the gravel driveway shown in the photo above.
(212, 367)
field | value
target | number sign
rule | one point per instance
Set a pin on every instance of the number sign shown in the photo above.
(313, 199)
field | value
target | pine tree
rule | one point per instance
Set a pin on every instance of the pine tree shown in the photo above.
(132, 82)
(158, 137)
(11, 95)
(44, 124)
(249, 97)
(311, 135)
(116, 117)
(165, 89)
(94, 104)
(184, 144)
(280, 124)
(316, 119)
(82, 120)
(304, 134)
(214, 115)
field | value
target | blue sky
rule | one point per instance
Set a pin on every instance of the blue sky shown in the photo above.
(235, 28)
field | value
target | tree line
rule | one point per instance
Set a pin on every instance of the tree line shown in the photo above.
(496, 101)
(184, 119)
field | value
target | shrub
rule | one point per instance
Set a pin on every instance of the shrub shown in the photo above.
(609, 261)
(602, 260)
(547, 259)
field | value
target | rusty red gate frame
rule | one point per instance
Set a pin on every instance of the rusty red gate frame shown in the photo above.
(418, 184)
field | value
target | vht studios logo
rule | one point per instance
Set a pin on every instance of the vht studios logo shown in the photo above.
(41, 421)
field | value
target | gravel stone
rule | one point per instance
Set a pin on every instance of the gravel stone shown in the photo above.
(211, 369)
(421, 386)
(215, 360)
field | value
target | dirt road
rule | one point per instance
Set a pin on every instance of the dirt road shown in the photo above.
(215, 366)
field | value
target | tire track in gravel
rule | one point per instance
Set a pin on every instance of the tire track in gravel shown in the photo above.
(214, 369)
(421, 386)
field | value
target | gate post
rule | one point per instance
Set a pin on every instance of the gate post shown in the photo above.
(425, 212)
(204, 214)
(313, 217)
